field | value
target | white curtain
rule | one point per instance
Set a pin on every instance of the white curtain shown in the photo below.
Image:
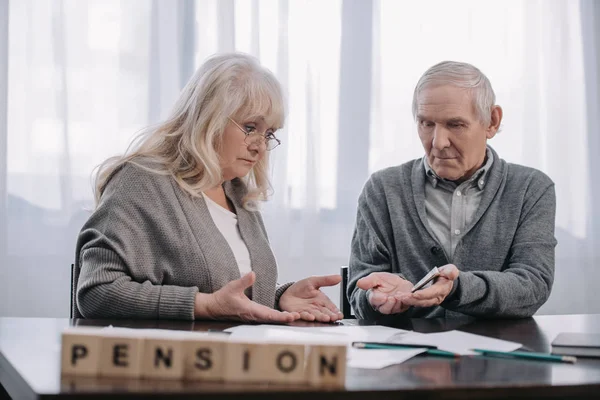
(79, 78)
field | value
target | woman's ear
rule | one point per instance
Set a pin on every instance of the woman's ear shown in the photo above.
(495, 120)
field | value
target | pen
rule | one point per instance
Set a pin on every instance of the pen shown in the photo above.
(530, 355)
(377, 345)
(431, 350)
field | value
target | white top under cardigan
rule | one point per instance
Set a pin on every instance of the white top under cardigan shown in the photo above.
(227, 223)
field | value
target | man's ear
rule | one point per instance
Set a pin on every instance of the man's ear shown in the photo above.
(495, 121)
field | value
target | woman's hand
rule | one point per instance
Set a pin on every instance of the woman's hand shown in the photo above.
(305, 298)
(230, 302)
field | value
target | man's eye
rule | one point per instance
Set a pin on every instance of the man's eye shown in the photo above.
(456, 125)
(426, 124)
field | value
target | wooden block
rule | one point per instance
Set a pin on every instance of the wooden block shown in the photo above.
(205, 358)
(163, 357)
(121, 354)
(284, 363)
(243, 361)
(80, 352)
(327, 365)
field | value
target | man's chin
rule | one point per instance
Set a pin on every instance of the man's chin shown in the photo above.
(447, 174)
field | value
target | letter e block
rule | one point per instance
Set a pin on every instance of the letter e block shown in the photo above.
(121, 355)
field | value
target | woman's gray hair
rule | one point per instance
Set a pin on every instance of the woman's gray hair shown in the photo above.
(186, 145)
(461, 75)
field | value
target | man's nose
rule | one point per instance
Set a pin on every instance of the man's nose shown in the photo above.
(440, 138)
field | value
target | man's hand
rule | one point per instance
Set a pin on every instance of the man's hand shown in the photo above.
(385, 292)
(305, 298)
(230, 302)
(436, 293)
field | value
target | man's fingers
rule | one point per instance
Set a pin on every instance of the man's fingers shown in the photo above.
(325, 280)
(449, 271)
(377, 298)
(438, 288)
(388, 306)
(368, 282)
(398, 307)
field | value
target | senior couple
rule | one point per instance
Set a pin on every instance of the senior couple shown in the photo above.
(177, 234)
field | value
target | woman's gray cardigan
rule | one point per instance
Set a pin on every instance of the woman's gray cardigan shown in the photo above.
(149, 247)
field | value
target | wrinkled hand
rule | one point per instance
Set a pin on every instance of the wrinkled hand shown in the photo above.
(305, 298)
(436, 293)
(230, 302)
(385, 291)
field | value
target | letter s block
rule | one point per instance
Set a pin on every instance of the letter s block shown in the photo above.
(205, 358)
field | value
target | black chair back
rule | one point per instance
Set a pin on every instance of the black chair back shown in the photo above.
(344, 303)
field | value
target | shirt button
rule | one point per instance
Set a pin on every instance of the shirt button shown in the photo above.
(458, 193)
(457, 232)
(481, 182)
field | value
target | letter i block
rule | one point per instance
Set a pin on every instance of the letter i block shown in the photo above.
(205, 358)
(80, 352)
(244, 361)
(284, 363)
(121, 354)
(163, 358)
(327, 365)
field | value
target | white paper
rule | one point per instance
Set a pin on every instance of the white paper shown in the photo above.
(457, 342)
(329, 334)
(377, 359)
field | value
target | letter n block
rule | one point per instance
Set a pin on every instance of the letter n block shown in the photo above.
(80, 351)
(163, 358)
(327, 365)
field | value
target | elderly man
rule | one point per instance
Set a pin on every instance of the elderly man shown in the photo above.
(487, 224)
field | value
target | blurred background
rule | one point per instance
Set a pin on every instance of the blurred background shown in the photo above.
(78, 79)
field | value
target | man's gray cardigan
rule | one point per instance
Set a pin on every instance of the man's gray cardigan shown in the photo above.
(149, 247)
(506, 257)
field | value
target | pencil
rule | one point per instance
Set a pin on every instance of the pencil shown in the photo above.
(528, 355)
(431, 350)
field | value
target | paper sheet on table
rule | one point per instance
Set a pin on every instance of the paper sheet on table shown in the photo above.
(377, 359)
(330, 334)
(457, 341)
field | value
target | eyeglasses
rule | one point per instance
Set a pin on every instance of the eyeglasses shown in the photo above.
(255, 137)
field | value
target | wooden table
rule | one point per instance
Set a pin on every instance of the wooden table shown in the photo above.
(30, 366)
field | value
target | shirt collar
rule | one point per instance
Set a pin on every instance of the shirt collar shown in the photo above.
(480, 176)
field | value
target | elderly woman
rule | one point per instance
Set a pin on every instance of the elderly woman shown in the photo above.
(176, 233)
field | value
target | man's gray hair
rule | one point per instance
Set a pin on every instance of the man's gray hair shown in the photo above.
(461, 75)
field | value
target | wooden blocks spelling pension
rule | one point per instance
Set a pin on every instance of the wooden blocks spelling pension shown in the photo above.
(197, 356)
